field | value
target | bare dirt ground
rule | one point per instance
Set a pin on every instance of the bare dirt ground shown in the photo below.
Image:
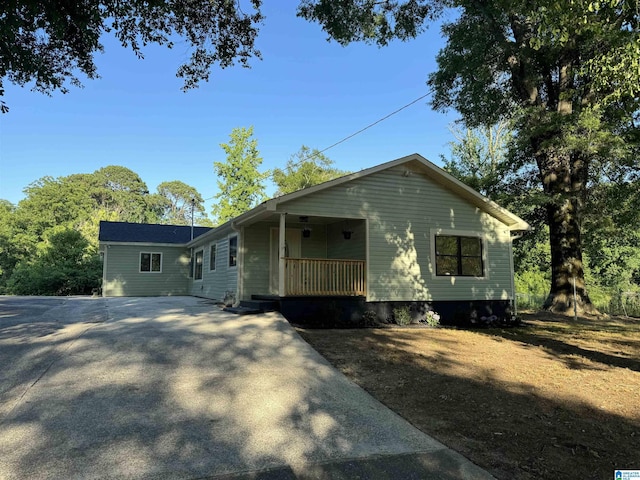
(552, 399)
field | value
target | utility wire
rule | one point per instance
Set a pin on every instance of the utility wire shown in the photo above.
(380, 120)
(362, 129)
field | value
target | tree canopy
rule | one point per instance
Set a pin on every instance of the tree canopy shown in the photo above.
(49, 241)
(305, 168)
(240, 182)
(180, 201)
(49, 43)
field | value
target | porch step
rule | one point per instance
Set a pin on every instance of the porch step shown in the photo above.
(242, 310)
(249, 307)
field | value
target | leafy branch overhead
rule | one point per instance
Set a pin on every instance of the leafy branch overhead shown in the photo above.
(48, 42)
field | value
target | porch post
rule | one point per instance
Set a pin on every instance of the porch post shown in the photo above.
(282, 249)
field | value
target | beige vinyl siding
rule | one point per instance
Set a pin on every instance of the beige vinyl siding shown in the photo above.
(122, 276)
(215, 284)
(402, 210)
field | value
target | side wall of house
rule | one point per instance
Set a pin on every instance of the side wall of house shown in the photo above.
(122, 276)
(404, 210)
(221, 282)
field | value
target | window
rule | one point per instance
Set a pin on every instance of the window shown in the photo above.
(150, 262)
(459, 256)
(213, 250)
(233, 251)
(197, 265)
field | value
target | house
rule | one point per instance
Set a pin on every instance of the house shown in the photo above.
(140, 259)
(401, 233)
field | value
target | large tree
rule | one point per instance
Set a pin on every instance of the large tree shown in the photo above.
(50, 42)
(567, 72)
(305, 168)
(240, 182)
(181, 203)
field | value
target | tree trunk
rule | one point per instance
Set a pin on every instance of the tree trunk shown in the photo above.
(564, 179)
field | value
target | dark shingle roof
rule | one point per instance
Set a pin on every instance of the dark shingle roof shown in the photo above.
(147, 232)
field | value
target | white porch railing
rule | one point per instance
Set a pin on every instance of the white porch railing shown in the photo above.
(322, 276)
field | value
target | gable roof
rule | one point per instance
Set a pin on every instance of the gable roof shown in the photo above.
(415, 162)
(147, 233)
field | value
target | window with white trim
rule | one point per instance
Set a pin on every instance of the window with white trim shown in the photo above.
(233, 251)
(197, 265)
(459, 256)
(150, 262)
(213, 251)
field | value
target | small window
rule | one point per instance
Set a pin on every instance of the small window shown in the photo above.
(460, 256)
(197, 265)
(213, 250)
(233, 251)
(150, 262)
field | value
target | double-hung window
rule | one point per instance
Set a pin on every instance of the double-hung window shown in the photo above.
(459, 256)
(197, 265)
(150, 262)
(233, 251)
(213, 251)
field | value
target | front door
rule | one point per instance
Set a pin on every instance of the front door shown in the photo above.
(293, 243)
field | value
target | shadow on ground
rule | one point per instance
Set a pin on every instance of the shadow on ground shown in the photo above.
(156, 391)
(507, 426)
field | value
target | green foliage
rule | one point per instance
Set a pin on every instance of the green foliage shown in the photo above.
(65, 264)
(432, 318)
(369, 318)
(240, 183)
(177, 205)
(119, 189)
(370, 21)
(479, 158)
(304, 169)
(48, 42)
(402, 315)
(48, 242)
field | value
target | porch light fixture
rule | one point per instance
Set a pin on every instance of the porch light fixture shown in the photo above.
(306, 231)
(346, 233)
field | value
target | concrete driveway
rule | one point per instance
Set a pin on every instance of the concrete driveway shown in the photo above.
(174, 388)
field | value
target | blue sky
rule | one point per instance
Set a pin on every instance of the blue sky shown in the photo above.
(305, 91)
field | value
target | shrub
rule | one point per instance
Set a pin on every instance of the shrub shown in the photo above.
(402, 315)
(369, 318)
(432, 318)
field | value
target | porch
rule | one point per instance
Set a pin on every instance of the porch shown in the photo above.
(305, 256)
(341, 271)
(326, 277)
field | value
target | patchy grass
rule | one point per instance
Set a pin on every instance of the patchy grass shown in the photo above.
(552, 399)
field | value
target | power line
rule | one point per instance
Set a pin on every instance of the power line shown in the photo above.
(365, 128)
(380, 120)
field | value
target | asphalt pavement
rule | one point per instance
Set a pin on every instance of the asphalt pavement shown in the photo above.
(175, 388)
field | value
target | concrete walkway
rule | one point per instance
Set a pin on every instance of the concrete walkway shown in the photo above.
(173, 388)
